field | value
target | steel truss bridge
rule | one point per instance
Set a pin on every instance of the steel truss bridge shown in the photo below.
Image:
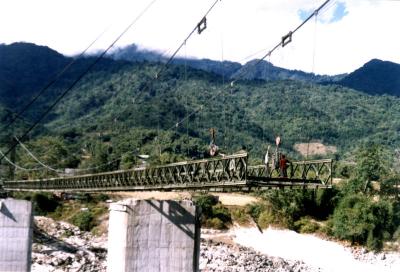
(217, 174)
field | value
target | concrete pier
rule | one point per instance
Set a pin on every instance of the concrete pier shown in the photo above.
(151, 235)
(15, 235)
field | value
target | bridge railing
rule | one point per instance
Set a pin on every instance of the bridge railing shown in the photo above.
(312, 171)
(222, 171)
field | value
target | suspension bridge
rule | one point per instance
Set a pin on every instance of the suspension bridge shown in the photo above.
(228, 173)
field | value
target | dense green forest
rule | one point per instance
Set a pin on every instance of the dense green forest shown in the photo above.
(116, 113)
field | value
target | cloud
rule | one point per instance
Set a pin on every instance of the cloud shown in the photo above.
(339, 12)
(330, 14)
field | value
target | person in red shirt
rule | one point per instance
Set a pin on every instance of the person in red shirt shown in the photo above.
(283, 164)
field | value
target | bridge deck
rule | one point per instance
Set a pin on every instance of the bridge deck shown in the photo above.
(225, 173)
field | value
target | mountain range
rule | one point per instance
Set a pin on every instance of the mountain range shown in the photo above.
(376, 77)
(25, 67)
(254, 69)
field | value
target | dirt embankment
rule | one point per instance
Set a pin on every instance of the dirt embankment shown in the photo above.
(314, 148)
(228, 199)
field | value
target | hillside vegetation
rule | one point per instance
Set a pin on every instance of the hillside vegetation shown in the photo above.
(120, 110)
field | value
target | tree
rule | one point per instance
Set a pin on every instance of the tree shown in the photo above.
(361, 220)
(371, 164)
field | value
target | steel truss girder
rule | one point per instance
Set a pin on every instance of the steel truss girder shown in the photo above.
(313, 171)
(226, 171)
(223, 172)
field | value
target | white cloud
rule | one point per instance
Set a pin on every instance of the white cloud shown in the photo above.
(236, 29)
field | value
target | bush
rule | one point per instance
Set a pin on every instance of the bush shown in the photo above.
(215, 223)
(206, 202)
(396, 235)
(265, 219)
(289, 206)
(240, 216)
(327, 227)
(84, 198)
(255, 210)
(390, 186)
(212, 210)
(44, 203)
(83, 220)
(101, 197)
(222, 213)
(363, 221)
(325, 202)
(353, 186)
(306, 225)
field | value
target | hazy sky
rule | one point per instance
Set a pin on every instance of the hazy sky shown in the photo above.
(346, 35)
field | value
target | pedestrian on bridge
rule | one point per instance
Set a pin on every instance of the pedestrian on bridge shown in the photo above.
(266, 162)
(283, 165)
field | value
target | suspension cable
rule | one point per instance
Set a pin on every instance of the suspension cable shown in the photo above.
(16, 165)
(36, 159)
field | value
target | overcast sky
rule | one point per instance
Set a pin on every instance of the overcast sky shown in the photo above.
(346, 35)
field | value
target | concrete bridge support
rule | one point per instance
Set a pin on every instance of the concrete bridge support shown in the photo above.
(15, 235)
(152, 235)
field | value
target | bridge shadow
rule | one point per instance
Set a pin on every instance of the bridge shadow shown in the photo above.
(4, 210)
(40, 236)
(182, 218)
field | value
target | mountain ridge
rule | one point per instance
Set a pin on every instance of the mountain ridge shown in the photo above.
(375, 77)
(231, 70)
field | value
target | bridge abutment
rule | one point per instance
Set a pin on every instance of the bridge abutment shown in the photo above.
(153, 235)
(15, 235)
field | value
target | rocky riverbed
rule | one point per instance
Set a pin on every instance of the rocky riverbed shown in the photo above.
(59, 246)
(222, 257)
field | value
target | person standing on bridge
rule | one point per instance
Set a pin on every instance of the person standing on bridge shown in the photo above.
(283, 165)
(213, 149)
(266, 162)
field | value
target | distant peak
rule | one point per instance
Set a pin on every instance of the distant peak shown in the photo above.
(29, 47)
(379, 62)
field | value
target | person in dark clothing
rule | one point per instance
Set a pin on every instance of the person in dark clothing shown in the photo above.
(283, 165)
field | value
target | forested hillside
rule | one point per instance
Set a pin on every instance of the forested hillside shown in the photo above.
(120, 110)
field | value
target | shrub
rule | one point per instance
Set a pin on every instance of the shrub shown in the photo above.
(396, 235)
(101, 197)
(390, 186)
(44, 203)
(206, 202)
(83, 220)
(215, 223)
(325, 202)
(240, 216)
(212, 210)
(306, 225)
(255, 210)
(85, 198)
(265, 219)
(222, 213)
(288, 206)
(361, 220)
(327, 227)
